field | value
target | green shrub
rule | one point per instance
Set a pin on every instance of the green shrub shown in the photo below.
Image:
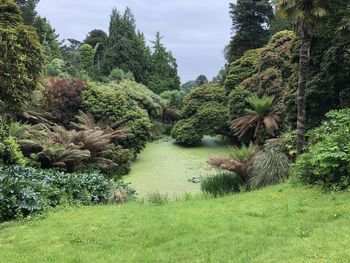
(242, 69)
(211, 117)
(119, 75)
(269, 166)
(10, 152)
(221, 184)
(25, 190)
(199, 95)
(110, 104)
(335, 120)
(187, 132)
(205, 113)
(173, 98)
(55, 68)
(238, 102)
(143, 96)
(327, 162)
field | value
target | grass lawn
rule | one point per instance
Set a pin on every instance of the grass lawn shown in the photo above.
(276, 224)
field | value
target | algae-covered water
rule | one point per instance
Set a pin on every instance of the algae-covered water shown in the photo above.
(166, 167)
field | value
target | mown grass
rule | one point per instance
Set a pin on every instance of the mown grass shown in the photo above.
(276, 224)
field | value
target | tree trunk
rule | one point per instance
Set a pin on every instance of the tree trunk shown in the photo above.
(301, 99)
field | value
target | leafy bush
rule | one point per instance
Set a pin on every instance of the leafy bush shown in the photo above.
(205, 112)
(63, 98)
(25, 190)
(10, 153)
(55, 68)
(327, 162)
(242, 69)
(119, 75)
(173, 98)
(269, 166)
(211, 117)
(221, 184)
(205, 93)
(238, 102)
(110, 104)
(187, 132)
(144, 97)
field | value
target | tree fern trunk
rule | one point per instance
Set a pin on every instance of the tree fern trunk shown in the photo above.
(301, 99)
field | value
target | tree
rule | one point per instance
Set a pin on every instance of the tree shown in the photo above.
(261, 113)
(21, 58)
(28, 10)
(188, 86)
(97, 39)
(87, 54)
(48, 38)
(201, 80)
(126, 47)
(163, 69)
(304, 15)
(250, 21)
(220, 77)
(71, 56)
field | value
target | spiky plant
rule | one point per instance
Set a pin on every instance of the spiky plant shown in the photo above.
(268, 166)
(260, 113)
(239, 161)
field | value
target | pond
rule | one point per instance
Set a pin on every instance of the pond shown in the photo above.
(166, 167)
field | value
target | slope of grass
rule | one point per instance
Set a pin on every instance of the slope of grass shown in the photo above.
(277, 224)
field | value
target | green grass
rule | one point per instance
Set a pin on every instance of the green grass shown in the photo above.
(276, 224)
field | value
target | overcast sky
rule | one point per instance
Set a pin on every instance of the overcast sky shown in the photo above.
(196, 31)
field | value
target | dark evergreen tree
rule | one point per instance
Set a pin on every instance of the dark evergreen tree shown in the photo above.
(201, 80)
(250, 23)
(98, 40)
(126, 47)
(163, 69)
(28, 10)
(48, 38)
(71, 56)
(20, 61)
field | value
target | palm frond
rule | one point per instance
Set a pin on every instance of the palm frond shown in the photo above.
(270, 123)
(260, 105)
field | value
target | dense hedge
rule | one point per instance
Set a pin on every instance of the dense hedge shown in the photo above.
(25, 190)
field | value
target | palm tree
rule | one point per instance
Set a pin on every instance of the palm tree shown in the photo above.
(304, 15)
(238, 162)
(261, 113)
